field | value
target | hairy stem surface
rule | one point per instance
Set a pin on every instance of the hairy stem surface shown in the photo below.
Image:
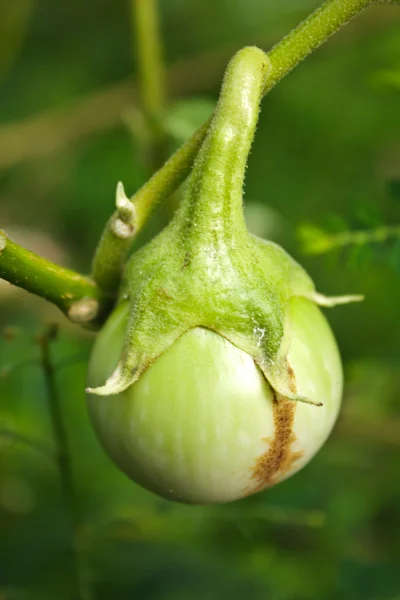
(284, 56)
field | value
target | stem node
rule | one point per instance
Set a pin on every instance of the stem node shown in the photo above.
(84, 310)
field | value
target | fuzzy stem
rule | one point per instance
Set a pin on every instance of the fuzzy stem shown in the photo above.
(212, 206)
(287, 54)
(80, 299)
(115, 243)
(167, 179)
(284, 56)
(120, 230)
(309, 35)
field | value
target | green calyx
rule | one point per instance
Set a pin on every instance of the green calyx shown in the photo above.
(205, 269)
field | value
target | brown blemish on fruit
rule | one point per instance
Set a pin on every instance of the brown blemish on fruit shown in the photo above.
(292, 378)
(279, 458)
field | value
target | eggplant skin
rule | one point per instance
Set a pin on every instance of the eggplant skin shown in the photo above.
(202, 425)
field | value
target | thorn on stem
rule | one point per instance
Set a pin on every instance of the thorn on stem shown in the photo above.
(126, 208)
(331, 301)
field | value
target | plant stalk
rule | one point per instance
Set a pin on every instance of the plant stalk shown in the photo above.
(119, 232)
(63, 458)
(79, 298)
(146, 28)
(361, 237)
(114, 244)
(284, 56)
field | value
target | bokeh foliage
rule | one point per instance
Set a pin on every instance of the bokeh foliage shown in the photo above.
(326, 159)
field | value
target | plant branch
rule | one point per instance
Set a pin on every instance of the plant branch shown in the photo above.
(62, 455)
(113, 249)
(286, 55)
(152, 77)
(151, 69)
(309, 35)
(79, 298)
(114, 244)
(317, 241)
(52, 131)
(289, 52)
(167, 179)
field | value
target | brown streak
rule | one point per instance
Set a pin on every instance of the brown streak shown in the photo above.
(279, 458)
(292, 378)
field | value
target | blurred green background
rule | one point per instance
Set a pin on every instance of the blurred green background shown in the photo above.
(325, 163)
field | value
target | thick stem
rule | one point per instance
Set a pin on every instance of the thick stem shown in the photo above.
(212, 207)
(77, 296)
(287, 54)
(120, 230)
(309, 35)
